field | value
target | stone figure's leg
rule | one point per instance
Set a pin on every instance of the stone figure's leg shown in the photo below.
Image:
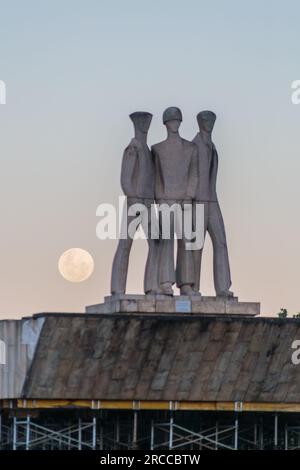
(166, 262)
(197, 254)
(166, 257)
(185, 264)
(121, 259)
(185, 260)
(151, 270)
(216, 231)
(120, 266)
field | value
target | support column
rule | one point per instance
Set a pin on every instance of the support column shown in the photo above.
(134, 434)
(27, 432)
(217, 435)
(286, 441)
(94, 433)
(236, 434)
(261, 435)
(200, 440)
(79, 434)
(152, 435)
(276, 431)
(117, 437)
(255, 435)
(171, 432)
(15, 433)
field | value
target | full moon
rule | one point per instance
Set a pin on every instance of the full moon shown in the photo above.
(76, 265)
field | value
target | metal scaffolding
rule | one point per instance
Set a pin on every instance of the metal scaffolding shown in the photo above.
(292, 437)
(27, 434)
(68, 429)
(213, 438)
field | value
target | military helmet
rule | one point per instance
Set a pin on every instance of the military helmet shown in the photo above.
(172, 113)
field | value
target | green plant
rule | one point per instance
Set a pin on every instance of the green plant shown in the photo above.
(283, 313)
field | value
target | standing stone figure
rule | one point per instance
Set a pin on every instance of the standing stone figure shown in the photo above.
(137, 181)
(176, 179)
(207, 195)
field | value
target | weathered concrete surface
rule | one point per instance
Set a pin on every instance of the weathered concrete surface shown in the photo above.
(19, 339)
(165, 357)
(177, 304)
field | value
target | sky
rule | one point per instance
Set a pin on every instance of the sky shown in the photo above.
(74, 70)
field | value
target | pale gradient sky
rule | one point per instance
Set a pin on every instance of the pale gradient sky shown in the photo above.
(74, 70)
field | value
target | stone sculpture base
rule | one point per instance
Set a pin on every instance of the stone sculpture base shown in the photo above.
(161, 304)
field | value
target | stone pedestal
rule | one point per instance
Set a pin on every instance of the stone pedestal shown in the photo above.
(161, 304)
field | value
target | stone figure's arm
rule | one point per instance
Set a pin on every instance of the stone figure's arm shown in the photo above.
(128, 169)
(213, 174)
(157, 174)
(193, 174)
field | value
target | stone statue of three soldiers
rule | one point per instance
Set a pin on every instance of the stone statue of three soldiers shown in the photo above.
(175, 171)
